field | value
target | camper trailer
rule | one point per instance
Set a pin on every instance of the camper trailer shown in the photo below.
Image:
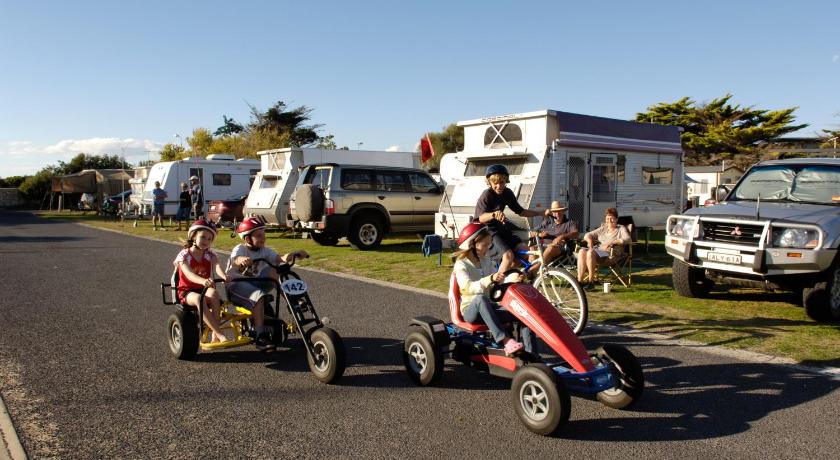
(591, 163)
(220, 176)
(279, 168)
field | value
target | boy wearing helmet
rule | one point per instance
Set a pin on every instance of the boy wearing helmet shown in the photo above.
(196, 264)
(490, 210)
(241, 263)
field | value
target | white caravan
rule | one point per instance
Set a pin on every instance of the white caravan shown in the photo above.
(220, 175)
(591, 163)
(273, 187)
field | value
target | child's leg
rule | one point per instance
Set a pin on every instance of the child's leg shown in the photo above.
(483, 307)
(259, 314)
(211, 299)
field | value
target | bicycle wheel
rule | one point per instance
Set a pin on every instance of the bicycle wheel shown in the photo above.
(567, 296)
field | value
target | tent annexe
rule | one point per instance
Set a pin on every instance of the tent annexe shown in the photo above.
(99, 182)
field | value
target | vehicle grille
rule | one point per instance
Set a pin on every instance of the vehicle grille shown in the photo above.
(747, 234)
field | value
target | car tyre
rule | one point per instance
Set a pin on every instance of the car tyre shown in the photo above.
(309, 203)
(422, 359)
(182, 329)
(630, 379)
(822, 302)
(329, 361)
(540, 399)
(366, 232)
(690, 281)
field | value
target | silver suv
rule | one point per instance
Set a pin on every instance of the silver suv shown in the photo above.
(362, 203)
(779, 228)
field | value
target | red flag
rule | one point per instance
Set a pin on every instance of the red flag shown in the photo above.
(427, 151)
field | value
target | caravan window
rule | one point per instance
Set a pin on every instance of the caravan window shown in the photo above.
(501, 135)
(268, 181)
(221, 179)
(477, 166)
(660, 176)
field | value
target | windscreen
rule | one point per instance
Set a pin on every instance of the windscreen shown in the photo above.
(809, 183)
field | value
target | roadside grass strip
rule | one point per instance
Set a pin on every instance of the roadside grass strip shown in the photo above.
(740, 318)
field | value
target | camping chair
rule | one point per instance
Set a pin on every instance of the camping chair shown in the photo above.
(621, 268)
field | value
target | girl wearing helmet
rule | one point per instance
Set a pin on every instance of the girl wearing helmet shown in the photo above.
(196, 264)
(475, 273)
(490, 210)
(241, 263)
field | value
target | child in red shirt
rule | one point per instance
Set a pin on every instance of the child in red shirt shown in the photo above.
(196, 263)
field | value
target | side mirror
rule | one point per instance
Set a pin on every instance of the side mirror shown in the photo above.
(720, 193)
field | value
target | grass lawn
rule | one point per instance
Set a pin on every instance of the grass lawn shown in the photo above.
(740, 318)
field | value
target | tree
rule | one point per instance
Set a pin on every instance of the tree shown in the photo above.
(450, 140)
(172, 152)
(12, 181)
(718, 130)
(326, 142)
(829, 141)
(288, 124)
(200, 141)
(229, 128)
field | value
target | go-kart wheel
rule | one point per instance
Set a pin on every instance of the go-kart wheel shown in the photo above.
(540, 399)
(182, 329)
(630, 380)
(423, 360)
(329, 361)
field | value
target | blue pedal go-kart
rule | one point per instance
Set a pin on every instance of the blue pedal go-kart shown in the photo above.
(324, 347)
(540, 388)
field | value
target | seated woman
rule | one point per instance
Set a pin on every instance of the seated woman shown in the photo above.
(475, 273)
(610, 239)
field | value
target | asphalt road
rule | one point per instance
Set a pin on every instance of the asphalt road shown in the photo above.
(85, 372)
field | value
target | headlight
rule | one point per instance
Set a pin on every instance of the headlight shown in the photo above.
(796, 238)
(683, 227)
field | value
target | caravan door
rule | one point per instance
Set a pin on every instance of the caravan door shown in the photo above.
(602, 183)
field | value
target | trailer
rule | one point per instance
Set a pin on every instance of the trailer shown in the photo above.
(220, 176)
(279, 169)
(591, 163)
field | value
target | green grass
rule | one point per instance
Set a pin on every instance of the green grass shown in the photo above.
(747, 319)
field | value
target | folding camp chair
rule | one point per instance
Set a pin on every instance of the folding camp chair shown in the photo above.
(621, 267)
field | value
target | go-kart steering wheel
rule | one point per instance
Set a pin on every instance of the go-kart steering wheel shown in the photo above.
(497, 290)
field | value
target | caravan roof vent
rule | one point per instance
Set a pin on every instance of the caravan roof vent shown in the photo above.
(221, 156)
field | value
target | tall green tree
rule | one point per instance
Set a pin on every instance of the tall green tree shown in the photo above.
(830, 138)
(172, 152)
(449, 140)
(200, 141)
(84, 161)
(288, 123)
(719, 130)
(229, 128)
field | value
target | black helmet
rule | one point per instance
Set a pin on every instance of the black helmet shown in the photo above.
(496, 169)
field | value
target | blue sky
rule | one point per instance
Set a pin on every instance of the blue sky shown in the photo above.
(112, 77)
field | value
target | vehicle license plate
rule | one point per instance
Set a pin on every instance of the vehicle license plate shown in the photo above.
(724, 258)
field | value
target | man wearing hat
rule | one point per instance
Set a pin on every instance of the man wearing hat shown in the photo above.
(159, 196)
(196, 197)
(559, 229)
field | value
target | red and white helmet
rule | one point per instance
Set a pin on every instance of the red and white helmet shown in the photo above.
(469, 233)
(201, 224)
(248, 225)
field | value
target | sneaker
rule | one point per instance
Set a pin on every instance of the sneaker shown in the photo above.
(264, 343)
(589, 287)
(512, 346)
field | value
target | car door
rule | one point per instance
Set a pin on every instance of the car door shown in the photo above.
(394, 193)
(426, 195)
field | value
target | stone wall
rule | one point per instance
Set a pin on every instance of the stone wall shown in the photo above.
(11, 198)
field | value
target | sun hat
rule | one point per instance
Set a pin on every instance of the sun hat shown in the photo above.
(556, 206)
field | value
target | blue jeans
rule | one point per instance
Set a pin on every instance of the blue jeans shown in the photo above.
(483, 310)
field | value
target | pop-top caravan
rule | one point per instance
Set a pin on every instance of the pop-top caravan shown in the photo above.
(220, 175)
(270, 193)
(591, 163)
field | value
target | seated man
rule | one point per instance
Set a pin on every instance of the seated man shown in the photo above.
(605, 245)
(556, 230)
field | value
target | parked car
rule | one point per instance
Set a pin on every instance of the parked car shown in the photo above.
(779, 228)
(363, 203)
(226, 212)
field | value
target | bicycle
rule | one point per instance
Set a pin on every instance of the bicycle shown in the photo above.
(558, 285)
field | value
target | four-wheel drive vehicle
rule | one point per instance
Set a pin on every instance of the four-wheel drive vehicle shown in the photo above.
(362, 203)
(779, 228)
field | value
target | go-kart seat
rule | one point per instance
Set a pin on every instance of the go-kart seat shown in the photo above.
(455, 308)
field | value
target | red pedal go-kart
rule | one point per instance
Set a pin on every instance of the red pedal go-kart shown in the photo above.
(540, 388)
(324, 347)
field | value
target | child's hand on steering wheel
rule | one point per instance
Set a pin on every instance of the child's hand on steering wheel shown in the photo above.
(498, 277)
(209, 283)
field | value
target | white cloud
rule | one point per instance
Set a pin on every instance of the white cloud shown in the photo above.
(25, 157)
(393, 148)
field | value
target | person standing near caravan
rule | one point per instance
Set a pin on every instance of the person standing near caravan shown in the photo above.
(197, 197)
(184, 205)
(490, 210)
(159, 195)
